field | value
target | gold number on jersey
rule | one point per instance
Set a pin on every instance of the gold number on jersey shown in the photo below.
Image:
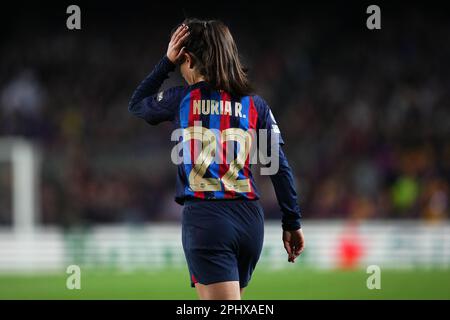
(197, 181)
(230, 178)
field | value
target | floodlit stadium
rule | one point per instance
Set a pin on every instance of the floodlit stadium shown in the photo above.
(87, 206)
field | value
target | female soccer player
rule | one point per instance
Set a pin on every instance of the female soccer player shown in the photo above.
(222, 224)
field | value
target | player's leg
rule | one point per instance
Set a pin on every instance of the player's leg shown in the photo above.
(227, 290)
(209, 243)
(250, 242)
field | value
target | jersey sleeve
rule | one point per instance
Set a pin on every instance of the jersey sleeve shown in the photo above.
(267, 120)
(286, 193)
(283, 178)
(152, 105)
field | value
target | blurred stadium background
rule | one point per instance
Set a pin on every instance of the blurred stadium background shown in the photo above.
(365, 115)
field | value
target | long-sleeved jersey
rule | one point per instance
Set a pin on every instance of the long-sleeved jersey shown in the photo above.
(213, 120)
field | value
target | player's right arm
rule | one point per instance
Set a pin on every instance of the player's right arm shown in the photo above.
(146, 102)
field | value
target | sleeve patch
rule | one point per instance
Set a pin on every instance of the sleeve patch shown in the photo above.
(272, 117)
(275, 128)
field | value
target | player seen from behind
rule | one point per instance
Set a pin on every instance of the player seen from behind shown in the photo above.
(222, 223)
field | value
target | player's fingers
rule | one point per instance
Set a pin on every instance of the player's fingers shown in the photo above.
(299, 249)
(180, 34)
(293, 254)
(184, 36)
(172, 39)
(179, 46)
(288, 248)
(177, 32)
(175, 35)
(181, 39)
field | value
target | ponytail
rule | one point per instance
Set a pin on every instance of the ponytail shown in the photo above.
(216, 56)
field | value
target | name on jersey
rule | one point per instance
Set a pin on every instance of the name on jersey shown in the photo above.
(207, 107)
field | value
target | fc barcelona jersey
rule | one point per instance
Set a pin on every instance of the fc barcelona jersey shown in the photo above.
(225, 123)
(218, 132)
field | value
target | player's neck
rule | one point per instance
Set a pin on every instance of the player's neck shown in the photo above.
(197, 79)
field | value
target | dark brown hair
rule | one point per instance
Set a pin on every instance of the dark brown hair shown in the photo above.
(216, 57)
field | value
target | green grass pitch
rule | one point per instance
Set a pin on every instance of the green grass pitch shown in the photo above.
(291, 283)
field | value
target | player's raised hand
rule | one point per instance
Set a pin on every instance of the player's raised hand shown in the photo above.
(175, 49)
(294, 242)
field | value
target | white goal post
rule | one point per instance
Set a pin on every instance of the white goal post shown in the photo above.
(25, 159)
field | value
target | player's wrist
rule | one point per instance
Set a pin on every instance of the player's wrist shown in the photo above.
(167, 56)
(168, 63)
(291, 227)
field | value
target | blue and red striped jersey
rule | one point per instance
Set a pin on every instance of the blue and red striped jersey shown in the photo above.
(224, 118)
(218, 131)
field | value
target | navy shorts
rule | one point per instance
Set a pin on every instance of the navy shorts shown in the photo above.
(222, 240)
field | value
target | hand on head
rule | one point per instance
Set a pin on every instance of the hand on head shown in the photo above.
(175, 49)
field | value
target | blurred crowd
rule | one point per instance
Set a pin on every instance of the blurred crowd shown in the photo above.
(365, 116)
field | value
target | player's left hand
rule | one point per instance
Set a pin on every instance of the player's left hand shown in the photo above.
(294, 243)
(175, 49)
